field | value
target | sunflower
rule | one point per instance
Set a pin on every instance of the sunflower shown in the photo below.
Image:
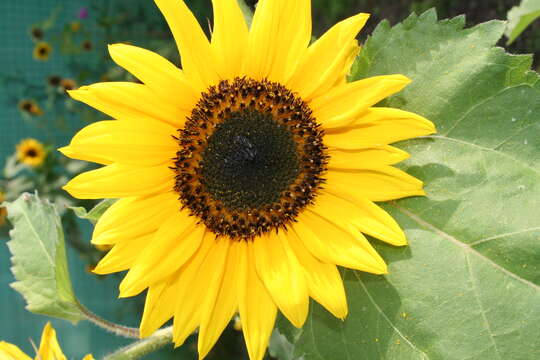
(68, 84)
(30, 107)
(36, 33)
(42, 50)
(49, 349)
(245, 177)
(31, 152)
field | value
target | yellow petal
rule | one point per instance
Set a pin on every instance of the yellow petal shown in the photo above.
(118, 180)
(279, 36)
(332, 241)
(197, 57)
(124, 142)
(49, 349)
(11, 352)
(216, 318)
(256, 307)
(159, 305)
(133, 217)
(123, 255)
(328, 59)
(229, 38)
(88, 357)
(160, 75)
(199, 285)
(323, 280)
(172, 245)
(124, 100)
(281, 273)
(365, 158)
(379, 126)
(86, 157)
(362, 213)
(378, 184)
(343, 104)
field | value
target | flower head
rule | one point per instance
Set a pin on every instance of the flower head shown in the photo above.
(36, 33)
(83, 13)
(31, 152)
(49, 349)
(30, 107)
(54, 80)
(75, 26)
(42, 51)
(86, 45)
(68, 84)
(245, 177)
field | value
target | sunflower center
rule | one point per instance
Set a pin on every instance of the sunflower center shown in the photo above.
(31, 153)
(250, 159)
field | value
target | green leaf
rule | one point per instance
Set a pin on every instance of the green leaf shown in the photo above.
(280, 347)
(246, 10)
(467, 285)
(38, 259)
(95, 213)
(519, 17)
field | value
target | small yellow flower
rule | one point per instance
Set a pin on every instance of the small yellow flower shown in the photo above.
(86, 45)
(31, 107)
(68, 84)
(3, 210)
(75, 26)
(54, 80)
(49, 349)
(31, 152)
(42, 51)
(36, 33)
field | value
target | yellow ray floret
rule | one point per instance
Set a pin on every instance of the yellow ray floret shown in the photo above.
(49, 348)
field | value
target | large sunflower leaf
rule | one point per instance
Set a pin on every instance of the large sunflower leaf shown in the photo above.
(467, 286)
(38, 259)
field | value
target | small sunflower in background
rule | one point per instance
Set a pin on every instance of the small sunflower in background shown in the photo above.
(36, 33)
(247, 176)
(75, 26)
(42, 51)
(3, 210)
(86, 45)
(30, 107)
(49, 348)
(68, 84)
(31, 152)
(54, 80)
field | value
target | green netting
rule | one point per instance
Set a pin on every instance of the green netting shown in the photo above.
(18, 325)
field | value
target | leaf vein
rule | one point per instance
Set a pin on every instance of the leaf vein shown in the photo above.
(495, 237)
(383, 315)
(463, 245)
(485, 149)
(480, 305)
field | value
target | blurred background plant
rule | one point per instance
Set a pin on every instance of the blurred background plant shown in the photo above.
(53, 46)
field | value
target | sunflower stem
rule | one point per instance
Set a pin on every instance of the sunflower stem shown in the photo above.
(114, 328)
(143, 347)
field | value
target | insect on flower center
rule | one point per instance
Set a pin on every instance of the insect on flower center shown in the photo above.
(251, 158)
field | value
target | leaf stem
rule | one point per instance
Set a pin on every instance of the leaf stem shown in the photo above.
(143, 347)
(114, 328)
